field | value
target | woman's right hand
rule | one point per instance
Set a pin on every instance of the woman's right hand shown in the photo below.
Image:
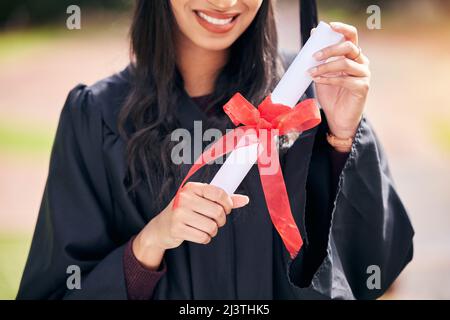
(201, 211)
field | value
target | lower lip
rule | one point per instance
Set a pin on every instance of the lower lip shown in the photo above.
(214, 27)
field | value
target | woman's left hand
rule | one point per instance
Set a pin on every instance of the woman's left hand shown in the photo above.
(342, 83)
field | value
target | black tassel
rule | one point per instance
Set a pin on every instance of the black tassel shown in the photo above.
(308, 18)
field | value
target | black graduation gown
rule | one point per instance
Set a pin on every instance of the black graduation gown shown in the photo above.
(87, 217)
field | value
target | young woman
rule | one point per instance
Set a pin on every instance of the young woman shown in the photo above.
(107, 206)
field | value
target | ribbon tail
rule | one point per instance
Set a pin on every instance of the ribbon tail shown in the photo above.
(277, 198)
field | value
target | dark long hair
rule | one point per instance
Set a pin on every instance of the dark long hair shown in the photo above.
(253, 69)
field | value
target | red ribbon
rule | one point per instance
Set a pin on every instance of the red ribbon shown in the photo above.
(276, 119)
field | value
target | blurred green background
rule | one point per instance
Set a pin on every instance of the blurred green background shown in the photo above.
(41, 60)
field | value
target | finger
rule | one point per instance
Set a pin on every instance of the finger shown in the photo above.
(363, 59)
(194, 186)
(313, 30)
(357, 85)
(349, 32)
(194, 235)
(209, 209)
(200, 222)
(239, 200)
(347, 49)
(212, 193)
(217, 195)
(347, 66)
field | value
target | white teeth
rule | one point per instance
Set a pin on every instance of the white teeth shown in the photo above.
(219, 22)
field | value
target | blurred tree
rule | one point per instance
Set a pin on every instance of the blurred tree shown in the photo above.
(32, 12)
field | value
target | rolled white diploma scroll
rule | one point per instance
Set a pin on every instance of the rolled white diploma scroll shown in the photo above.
(288, 92)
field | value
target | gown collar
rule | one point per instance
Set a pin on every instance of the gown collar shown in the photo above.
(187, 110)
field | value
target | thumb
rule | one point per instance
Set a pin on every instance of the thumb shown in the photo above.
(239, 200)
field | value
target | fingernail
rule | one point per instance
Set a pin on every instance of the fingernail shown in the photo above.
(312, 70)
(318, 55)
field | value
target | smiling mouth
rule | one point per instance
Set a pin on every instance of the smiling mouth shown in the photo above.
(216, 22)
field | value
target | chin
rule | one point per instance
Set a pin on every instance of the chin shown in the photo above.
(215, 44)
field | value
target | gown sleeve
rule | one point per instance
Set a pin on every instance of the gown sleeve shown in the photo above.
(356, 231)
(75, 222)
(140, 280)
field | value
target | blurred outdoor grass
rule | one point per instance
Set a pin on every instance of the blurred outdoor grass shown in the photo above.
(13, 253)
(21, 41)
(22, 139)
(18, 140)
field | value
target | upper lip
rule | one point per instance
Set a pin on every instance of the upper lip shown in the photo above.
(218, 15)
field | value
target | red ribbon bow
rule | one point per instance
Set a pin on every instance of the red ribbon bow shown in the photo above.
(277, 119)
